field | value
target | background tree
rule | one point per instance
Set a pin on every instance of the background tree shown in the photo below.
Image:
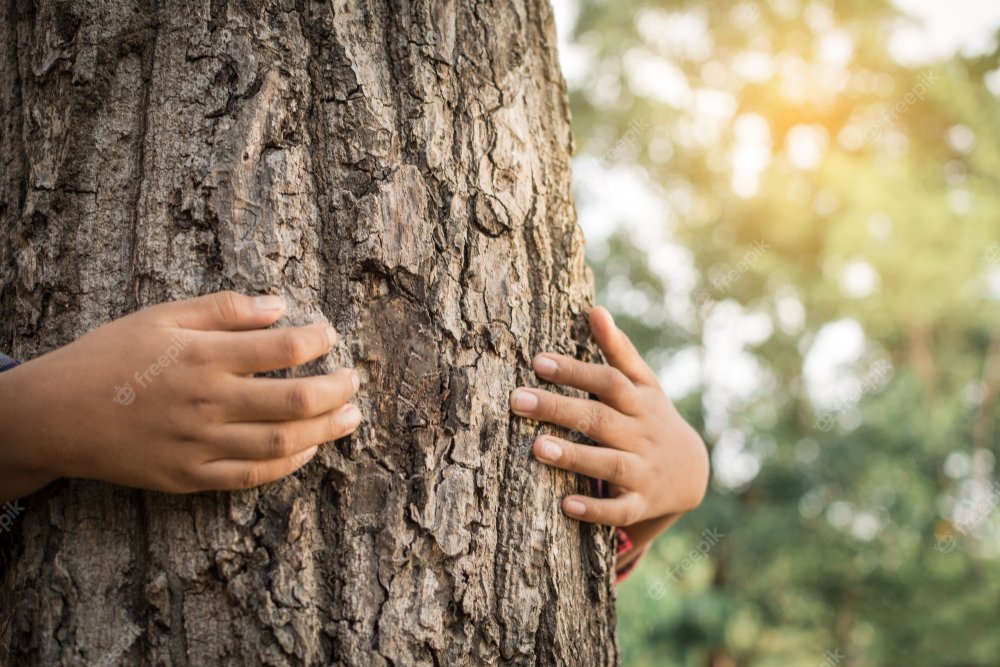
(397, 169)
(847, 375)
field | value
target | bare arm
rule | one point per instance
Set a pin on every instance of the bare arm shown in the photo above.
(165, 399)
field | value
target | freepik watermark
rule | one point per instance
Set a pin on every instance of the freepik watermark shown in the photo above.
(749, 260)
(972, 518)
(9, 515)
(748, 12)
(582, 429)
(627, 142)
(945, 543)
(992, 254)
(889, 118)
(125, 394)
(980, 512)
(833, 658)
(722, 283)
(873, 380)
(709, 539)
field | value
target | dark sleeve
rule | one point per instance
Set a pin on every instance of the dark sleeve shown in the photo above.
(6, 363)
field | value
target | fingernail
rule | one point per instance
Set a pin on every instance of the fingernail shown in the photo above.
(352, 416)
(355, 380)
(545, 366)
(268, 303)
(574, 507)
(551, 450)
(331, 335)
(524, 401)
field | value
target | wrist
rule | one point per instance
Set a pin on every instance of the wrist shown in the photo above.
(26, 464)
(644, 532)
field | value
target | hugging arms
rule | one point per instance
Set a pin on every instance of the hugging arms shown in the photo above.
(211, 424)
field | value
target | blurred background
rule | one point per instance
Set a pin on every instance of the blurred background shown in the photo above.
(794, 209)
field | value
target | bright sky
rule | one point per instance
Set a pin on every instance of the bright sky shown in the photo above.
(943, 29)
(954, 25)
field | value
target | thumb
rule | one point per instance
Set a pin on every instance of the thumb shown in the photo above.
(224, 311)
(618, 349)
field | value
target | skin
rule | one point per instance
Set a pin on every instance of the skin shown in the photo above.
(195, 419)
(655, 463)
(165, 399)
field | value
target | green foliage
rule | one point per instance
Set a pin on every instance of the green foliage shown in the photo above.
(858, 529)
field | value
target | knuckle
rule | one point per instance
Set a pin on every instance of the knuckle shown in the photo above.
(250, 478)
(227, 303)
(203, 408)
(295, 348)
(627, 515)
(197, 355)
(550, 407)
(596, 418)
(571, 454)
(621, 469)
(618, 383)
(280, 443)
(302, 401)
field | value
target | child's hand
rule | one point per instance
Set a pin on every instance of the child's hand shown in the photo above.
(656, 463)
(165, 399)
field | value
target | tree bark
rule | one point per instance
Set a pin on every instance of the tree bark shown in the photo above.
(400, 170)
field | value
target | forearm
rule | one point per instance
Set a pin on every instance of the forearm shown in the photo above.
(22, 469)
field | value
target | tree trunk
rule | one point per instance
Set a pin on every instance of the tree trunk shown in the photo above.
(398, 169)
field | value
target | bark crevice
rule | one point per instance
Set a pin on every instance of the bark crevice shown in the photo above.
(398, 170)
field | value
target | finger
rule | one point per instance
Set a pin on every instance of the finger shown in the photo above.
(618, 349)
(624, 510)
(612, 466)
(223, 311)
(280, 399)
(258, 351)
(592, 418)
(606, 382)
(266, 441)
(236, 474)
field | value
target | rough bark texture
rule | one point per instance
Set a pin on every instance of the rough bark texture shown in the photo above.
(398, 169)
